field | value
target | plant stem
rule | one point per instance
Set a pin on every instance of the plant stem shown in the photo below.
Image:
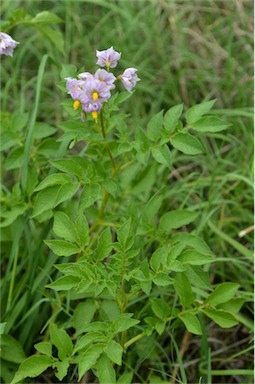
(133, 340)
(106, 144)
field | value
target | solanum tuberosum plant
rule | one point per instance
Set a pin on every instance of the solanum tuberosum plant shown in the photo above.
(131, 268)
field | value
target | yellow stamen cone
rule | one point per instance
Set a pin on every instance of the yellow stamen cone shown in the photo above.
(94, 114)
(95, 95)
(76, 104)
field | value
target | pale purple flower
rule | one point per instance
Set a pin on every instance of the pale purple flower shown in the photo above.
(90, 92)
(85, 76)
(91, 106)
(108, 58)
(7, 44)
(75, 87)
(95, 93)
(129, 78)
(105, 77)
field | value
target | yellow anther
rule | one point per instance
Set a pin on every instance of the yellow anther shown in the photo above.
(76, 104)
(95, 95)
(94, 115)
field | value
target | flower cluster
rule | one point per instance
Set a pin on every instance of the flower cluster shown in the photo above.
(7, 44)
(91, 91)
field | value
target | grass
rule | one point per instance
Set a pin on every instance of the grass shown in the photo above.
(185, 52)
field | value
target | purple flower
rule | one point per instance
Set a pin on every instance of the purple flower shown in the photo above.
(7, 44)
(85, 76)
(74, 87)
(95, 93)
(129, 78)
(108, 58)
(105, 77)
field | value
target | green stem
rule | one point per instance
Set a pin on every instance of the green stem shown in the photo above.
(114, 171)
(9, 300)
(103, 204)
(14, 261)
(133, 340)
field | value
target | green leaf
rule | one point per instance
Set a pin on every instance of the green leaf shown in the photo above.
(105, 370)
(52, 180)
(152, 207)
(146, 286)
(8, 217)
(195, 258)
(61, 340)
(224, 292)
(121, 97)
(83, 314)
(210, 124)
(176, 266)
(68, 70)
(176, 219)
(11, 350)
(43, 130)
(89, 195)
(171, 117)
(45, 200)
(64, 283)
(160, 308)
(160, 326)
(198, 277)
(154, 127)
(162, 279)
(221, 317)
(123, 323)
(44, 347)
(15, 159)
(191, 322)
(109, 310)
(68, 165)
(162, 155)
(137, 274)
(125, 234)
(64, 227)
(62, 248)
(174, 252)
(141, 142)
(186, 143)
(192, 241)
(62, 367)
(7, 140)
(20, 120)
(53, 35)
(183, 289)
(46, 17)
(33, 366)
(50, 197)
(2, 328)
(155, 379)
(158, 258)
(194, 113)
(82, 229)
(48, 147)
(32, 179)
(233, 305)
(111, 186)
(125, 378)
(114, 352)
(65, 192)
(89, 358)
(104, 245)
(89, 338)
